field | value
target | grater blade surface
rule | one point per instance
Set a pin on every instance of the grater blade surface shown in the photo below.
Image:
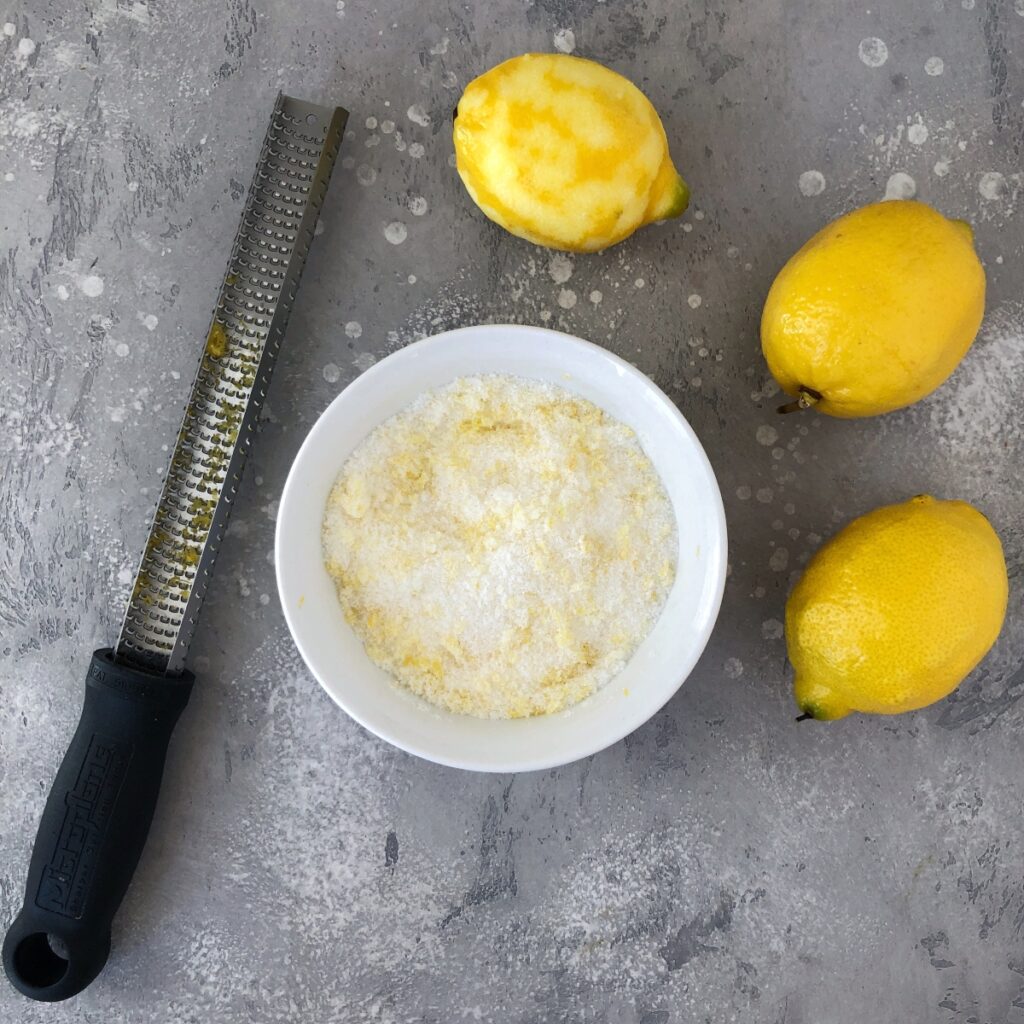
(255, 300)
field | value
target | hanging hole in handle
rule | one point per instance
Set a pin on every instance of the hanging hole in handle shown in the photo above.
(41, 959)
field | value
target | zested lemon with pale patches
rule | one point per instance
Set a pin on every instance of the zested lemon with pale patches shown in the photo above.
(565, 153)
(896, 609)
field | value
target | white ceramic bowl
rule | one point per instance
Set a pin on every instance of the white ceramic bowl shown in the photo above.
(662, 662)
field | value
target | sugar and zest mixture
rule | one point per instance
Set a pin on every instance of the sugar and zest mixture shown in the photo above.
(501, 546)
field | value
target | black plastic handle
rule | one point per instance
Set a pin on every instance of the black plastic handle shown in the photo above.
(93, 828)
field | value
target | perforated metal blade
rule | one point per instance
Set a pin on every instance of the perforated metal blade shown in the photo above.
(248, 324)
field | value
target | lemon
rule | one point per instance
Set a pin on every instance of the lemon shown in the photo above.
(875, 311)
(896, 609)
(565, 152)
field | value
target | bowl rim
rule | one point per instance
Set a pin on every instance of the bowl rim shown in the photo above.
(717, 564)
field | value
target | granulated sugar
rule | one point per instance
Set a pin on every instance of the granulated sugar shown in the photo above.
(501, 547)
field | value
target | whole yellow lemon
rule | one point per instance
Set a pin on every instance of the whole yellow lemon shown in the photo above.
(565, 152)
(875, 311)
(896, 609)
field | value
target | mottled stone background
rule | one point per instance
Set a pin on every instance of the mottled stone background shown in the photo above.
(723, 863)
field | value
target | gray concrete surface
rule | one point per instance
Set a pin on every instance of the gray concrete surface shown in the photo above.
(721, 864)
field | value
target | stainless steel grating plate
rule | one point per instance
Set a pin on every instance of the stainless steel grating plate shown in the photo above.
(248, 324)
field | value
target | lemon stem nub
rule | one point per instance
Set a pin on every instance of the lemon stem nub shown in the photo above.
(806, 397)
(804, 716)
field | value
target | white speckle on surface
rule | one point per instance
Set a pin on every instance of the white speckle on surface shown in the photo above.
(121, 349)
(264, 599)
(698, 214)
(124, 576)
(418, 206)
(26, 47)
(767, 435)
(9, 176)
(560, 267)
(133, 186)
(371, 123)
(418, 115)
(416, 150)
(116, 413)
(941, 168)
(439, 49)
(743, 492)
(975, 421)
(1018, 6)
(779, 560)
(319, 229)
(811, 183)
(967, 5)
(353, 329)
(567, 298)
(873, 52)
(332, 373)
(365, 174)
(596, 297)
(364, 360)
(772, 629)
(10, 28)
(91, 285)
(373, 140)
(27, 125)
(917, 134)
(149, 321)
(639, 283)
(348, 162)
(396, 232)
(934, 66)
(991, 185)
(765, 495)
(387, 127)
(733, 668)
(411, 279)
(62, 293)
(564, 40)
(694, 301)
(900, 186)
